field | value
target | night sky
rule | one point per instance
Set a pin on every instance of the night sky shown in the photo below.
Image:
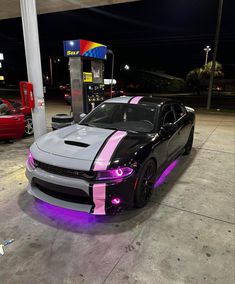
(167, 35)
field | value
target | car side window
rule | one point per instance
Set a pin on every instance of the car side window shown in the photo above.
(4, 109)
(167, 115)
(179, 111)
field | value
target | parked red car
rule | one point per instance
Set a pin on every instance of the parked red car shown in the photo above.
(12, 119)
(12, 125)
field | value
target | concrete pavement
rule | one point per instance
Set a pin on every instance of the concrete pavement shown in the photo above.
(185, 235)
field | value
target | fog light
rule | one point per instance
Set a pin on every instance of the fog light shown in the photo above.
(116, 201)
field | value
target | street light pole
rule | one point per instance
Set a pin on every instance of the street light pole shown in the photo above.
(111, 87)
(207, 50)
(215, 53)
(33, 60)
(51, 70)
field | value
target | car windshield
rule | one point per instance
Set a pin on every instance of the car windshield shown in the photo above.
(128, 117)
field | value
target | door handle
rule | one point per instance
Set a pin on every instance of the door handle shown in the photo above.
(16, 118)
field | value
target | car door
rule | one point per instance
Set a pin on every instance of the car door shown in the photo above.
(183, 125)
(11, 126)
(172, 146)
(167, 147)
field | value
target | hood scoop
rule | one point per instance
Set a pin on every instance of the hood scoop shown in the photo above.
(75, 143)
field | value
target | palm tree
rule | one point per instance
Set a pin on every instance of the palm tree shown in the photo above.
(194, 77)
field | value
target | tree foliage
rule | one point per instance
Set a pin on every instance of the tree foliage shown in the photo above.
(195, 76)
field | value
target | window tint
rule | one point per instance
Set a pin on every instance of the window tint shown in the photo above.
(167, 115)
(139, 118)
(4, 109)
(179, 111)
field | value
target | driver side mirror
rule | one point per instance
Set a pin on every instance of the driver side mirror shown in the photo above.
(168, 129)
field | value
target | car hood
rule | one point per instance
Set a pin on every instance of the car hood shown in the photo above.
(76, 142)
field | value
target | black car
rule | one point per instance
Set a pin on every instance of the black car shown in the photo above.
(111, 159)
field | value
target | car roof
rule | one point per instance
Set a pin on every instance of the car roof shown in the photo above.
(145, 100)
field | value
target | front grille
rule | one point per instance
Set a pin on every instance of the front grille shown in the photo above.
(64, 171)
(69, 194)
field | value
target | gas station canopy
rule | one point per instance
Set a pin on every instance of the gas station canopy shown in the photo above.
(28, 10)
(11, 9)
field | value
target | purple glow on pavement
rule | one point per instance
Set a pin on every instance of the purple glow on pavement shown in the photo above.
(68, 217)
(116, 201)
(167, 171)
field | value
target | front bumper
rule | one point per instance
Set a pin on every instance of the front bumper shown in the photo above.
(79, 194)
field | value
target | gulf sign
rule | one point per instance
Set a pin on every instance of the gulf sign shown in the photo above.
(84, 48)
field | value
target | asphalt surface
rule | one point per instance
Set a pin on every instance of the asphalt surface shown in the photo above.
(185, 234)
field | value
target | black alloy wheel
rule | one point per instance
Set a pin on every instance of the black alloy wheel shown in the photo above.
(145, 184)
(28, 129)
(189, 144)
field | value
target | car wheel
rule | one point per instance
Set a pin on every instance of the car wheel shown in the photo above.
(9, 141)
(189, 145)
(145, 184)
(28, 130)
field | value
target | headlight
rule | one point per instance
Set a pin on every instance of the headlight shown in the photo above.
(31, 160)
(114, 174)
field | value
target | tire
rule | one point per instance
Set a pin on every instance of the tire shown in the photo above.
(145, 184)
(189, 144)
(62, 118)
(28, 130)
(9, 141)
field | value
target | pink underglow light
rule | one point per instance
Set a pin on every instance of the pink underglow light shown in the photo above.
(116, 201)
(164, 175)
(66, 218)
(119, 172)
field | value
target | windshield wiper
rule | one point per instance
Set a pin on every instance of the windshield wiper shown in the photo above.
(112, 128)
(132, 131)
(87, 124)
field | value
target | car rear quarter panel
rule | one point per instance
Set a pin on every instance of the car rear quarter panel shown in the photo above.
(12, 126)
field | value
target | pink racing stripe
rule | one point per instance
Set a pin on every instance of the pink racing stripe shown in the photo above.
(135, 100)
(102, 161)
(99, 195)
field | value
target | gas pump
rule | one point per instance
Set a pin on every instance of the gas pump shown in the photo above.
(87, 88)
(93, 96)
(93, 88)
